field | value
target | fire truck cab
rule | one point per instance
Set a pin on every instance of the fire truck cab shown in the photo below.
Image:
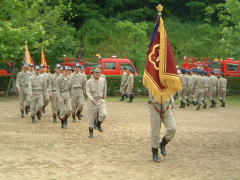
(230, 67)
(5, 68)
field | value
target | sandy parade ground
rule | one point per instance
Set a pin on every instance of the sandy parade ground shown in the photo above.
(206, 145)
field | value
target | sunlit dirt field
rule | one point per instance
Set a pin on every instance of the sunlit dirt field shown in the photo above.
(206, 146)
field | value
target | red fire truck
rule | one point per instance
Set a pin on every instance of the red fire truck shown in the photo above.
(6, 68)
(110, 66)
(229, 66)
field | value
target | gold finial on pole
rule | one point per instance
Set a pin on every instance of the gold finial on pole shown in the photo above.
(159, 8)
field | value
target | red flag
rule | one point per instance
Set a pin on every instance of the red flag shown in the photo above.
(44, 60)
(160, 75)
(27, 56)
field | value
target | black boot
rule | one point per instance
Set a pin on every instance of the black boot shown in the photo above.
(78, 114)
(98, 123)
(74, 117)
(33, 118)
(39, 115)
(223, 104)
(155, 156)
(22, 113)
(204, 105)
(43, 108)
(131, 98)
(62, 123)
(27, 110)
(198, 106)
(66, 120)
(122, 98)
(54, 118)
(90, 132)
(162, 146)
(212, 103)
(181, 104)
(215, 103)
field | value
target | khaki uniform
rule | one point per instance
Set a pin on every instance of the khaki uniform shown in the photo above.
(183, 93)
(79, 90)
(36, 88)
(157, 119)
(53, 91)
(222, 88)
(206, 89)
(123, 85)
(46, 91)
(65, 92)
(22, 83)
(130, 85)
(197, 87)
(213, 87)
(96, 90)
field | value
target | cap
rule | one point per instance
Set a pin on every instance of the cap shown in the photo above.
(97, 70)
(77, 65)
(221, 74)
(37, 67)
(42, 65)
(25, 65)
(183, 70)
(211, 72)
(31, 65)
(58, 66)
(65, 68)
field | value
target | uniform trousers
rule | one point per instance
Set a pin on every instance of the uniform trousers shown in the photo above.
(36, 103)
(65, 106)
(167, 119)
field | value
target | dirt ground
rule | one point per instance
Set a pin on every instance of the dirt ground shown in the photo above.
(206, 146)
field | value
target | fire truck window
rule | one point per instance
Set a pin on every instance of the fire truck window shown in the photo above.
(232, 67)
(110, 65)
(127, 66)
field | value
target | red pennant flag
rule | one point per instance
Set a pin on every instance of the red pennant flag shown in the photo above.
(27, 56)
(160, 76)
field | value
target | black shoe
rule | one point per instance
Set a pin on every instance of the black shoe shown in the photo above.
(22, 113)
(162, 146)
(223, 104)
(155, 156)
(215, 104)
(54, 118)
(99, 126)
(90, 132)
(65, 120)
(212, 103)
(38, 115)
(73, 117)
(33, 118)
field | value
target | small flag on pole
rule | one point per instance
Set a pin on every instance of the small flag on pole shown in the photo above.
(27, 56)
(44, 60)
(160, 75)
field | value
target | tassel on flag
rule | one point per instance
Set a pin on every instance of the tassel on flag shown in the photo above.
(160, 75)
(27, 56)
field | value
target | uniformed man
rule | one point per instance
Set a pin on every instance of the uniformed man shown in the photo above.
(198, 87)
(31, 69)
(46, 91)
(96, 92)
(64, 93)
(213, 88)
(22, 83)
(79, 91)
(222, 89)
(36, 88)
(183, 92)
(161, 113)
(130, 85)
(123, 84)
(206, 89)
(53, 91)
